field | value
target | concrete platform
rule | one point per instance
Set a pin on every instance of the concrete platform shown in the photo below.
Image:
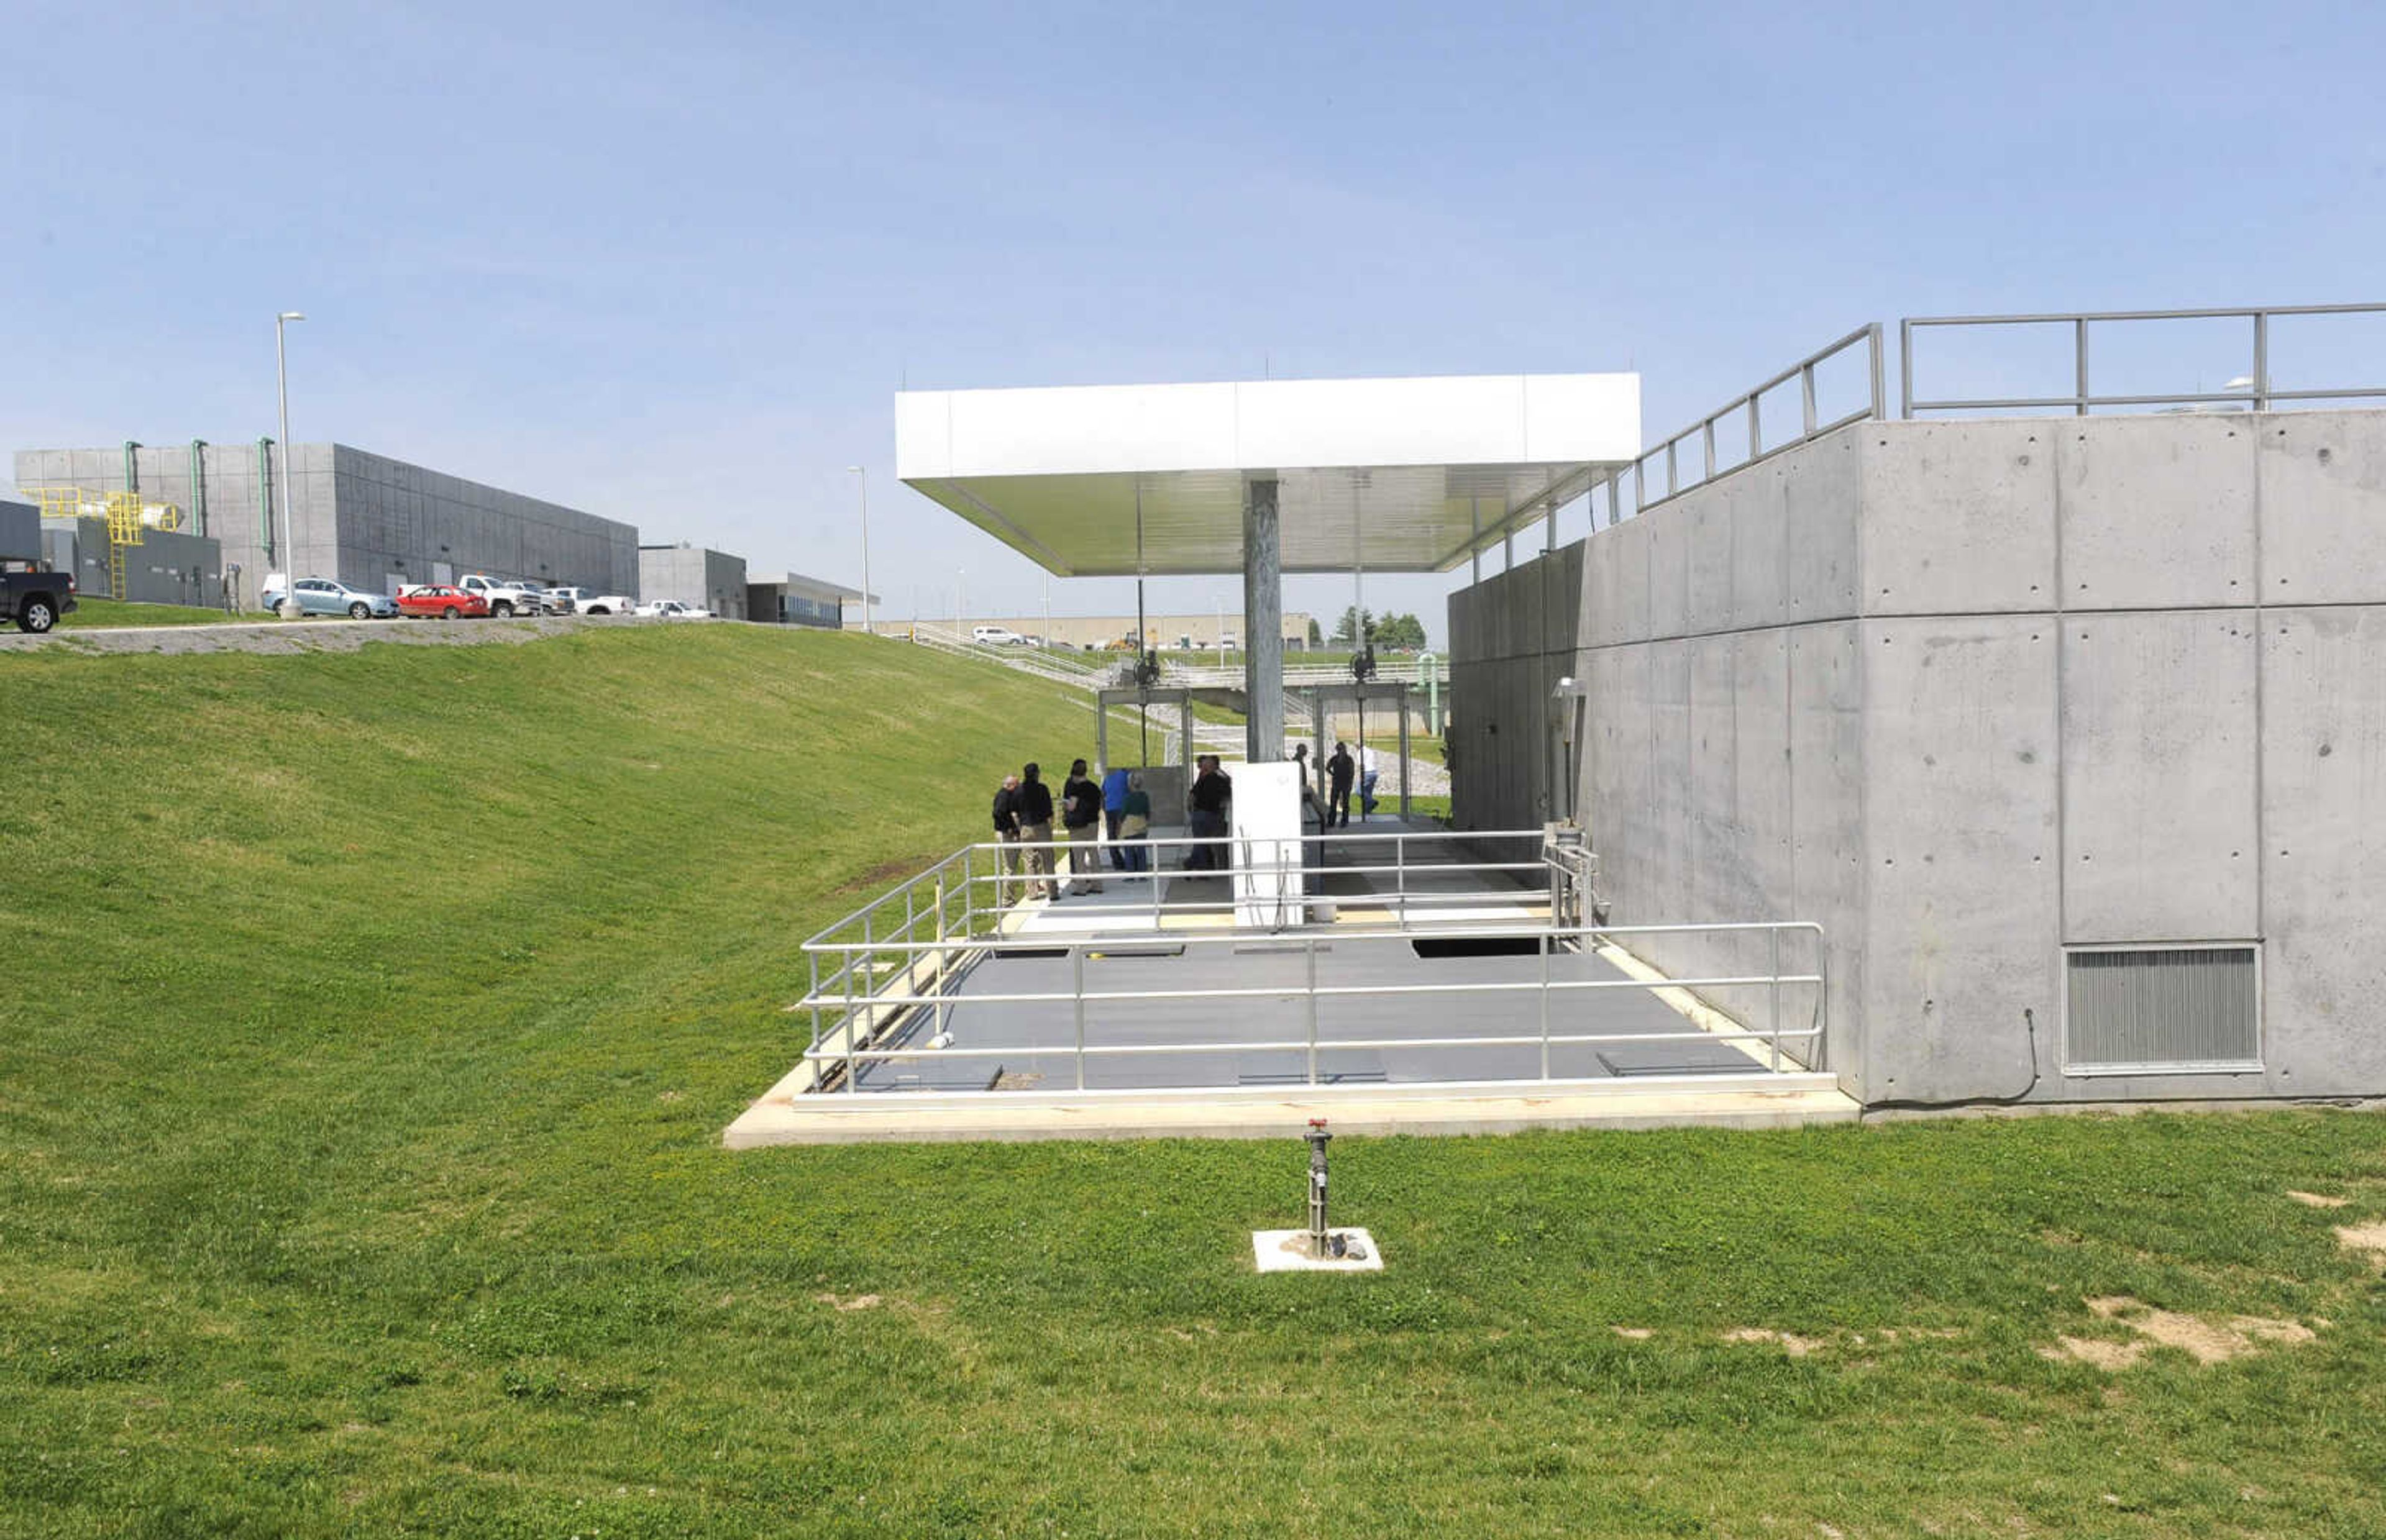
(783, 1117)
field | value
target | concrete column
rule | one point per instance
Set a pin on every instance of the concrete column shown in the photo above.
(1262, 626)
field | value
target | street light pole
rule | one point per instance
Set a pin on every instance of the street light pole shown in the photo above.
(863, 472)
(289, 538)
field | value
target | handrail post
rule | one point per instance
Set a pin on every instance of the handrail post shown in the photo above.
(1400, 870)
(852, 1033)
(1545, 1005)
(1755, 429)
(1879, 383)
(1906, 367)
(944, 958)
(1313, 1011)
(1077, 969)
(1806, 396)
(1773, 935)
(2080, 350)
(2261, 361)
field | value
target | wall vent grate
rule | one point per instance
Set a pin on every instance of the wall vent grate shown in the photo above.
(2163, 1009)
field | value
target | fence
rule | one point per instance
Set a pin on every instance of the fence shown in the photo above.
(2254, 390)
(881, 984)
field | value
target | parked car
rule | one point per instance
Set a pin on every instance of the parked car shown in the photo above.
(671, 609)
(541, 596)
(997, 636)
(32, 595)
(607, 604)
(567, 601)
(331, 596)
(505, 597)
(442, 599)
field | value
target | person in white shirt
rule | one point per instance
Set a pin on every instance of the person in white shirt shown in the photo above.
(1368, 770)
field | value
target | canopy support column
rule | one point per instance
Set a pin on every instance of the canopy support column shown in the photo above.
(1262, 625)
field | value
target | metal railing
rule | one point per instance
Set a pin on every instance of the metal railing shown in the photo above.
(1039, 661)
(1713, 460)
(2255, 391)
(885, 977)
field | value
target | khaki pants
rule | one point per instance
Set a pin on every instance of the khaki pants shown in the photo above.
(1006, 865)
(1085, 855)
(1039, 859)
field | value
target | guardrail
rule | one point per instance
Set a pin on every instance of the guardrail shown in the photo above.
(1713, 461)
(876, 977)
(2255, 391)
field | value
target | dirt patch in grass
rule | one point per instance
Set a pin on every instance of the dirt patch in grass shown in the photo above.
(2317, 1200)
(858, 1302)
(1794, 1345)
(2370, 1237)
(2111, 1357)
(1634, 1334)
(2206, 1342)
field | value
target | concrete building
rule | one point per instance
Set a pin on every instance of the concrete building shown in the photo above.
(2069, 732)
(362, 518)
(792, 599)
(695, 576)
(1164, 632)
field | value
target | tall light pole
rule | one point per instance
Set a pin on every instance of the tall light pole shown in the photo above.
(863, 472)
(281, 377)
(1219, 605)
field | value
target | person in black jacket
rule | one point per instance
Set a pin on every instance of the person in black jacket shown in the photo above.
(1035, 830)
(1339, 772)
(1213, 789)
(1006, 829)
(1081, 811)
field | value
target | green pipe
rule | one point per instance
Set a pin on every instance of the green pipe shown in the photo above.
(265, 502)
(132, 470)
(199, 485)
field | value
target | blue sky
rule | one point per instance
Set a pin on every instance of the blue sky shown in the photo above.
(670, 263)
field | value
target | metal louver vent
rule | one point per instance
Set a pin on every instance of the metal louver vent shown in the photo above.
(2163, 1009)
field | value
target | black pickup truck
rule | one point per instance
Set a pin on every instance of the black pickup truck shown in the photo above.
(32, 595)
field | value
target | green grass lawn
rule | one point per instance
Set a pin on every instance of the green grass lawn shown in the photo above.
(362, 1075)
(91, 614)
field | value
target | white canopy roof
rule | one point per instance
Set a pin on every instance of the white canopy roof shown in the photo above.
(1402, 475)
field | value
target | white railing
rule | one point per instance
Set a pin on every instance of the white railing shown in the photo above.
(882, 986)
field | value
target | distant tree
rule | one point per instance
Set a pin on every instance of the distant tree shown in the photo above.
(1399, 631)
(1316, 636)
(1355, 627)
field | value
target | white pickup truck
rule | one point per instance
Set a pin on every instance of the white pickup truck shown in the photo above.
(505, 596)
(589, 602)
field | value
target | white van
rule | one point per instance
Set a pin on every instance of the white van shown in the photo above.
(997, 636)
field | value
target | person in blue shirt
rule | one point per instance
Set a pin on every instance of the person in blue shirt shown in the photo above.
(1113, 810)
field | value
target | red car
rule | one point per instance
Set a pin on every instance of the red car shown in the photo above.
(441, 599)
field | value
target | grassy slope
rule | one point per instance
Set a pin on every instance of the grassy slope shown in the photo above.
(338, 1199)
(91, 614)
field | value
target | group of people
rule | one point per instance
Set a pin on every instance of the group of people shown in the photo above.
(1333, 811)
(1112, 817)
(1116, 806)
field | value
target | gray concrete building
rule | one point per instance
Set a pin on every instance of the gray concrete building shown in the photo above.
(2068, 733)
(693, 575)
(360, 516)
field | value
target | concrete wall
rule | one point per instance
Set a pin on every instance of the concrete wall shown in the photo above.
(707, 580)
(362, 518)
(1966, 693)
(1512, 638)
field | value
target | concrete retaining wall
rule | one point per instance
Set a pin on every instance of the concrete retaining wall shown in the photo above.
(1966, 693)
